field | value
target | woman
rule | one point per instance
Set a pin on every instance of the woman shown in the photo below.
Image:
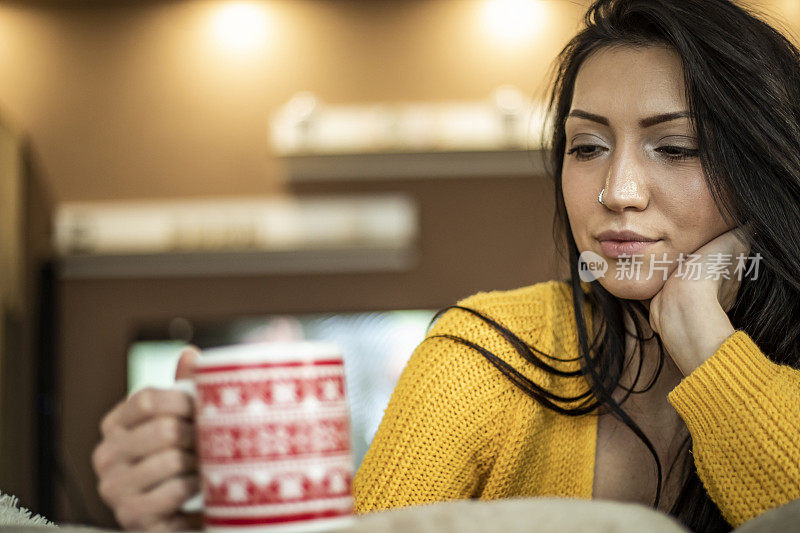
(675, 119)
(678, 120)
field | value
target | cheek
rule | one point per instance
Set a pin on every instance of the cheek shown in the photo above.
(695, 217)
(570, 188)
(578, 201)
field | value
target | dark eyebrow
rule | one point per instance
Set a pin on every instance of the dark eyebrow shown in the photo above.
(643, 123)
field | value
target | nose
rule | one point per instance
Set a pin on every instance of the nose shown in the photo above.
(626, 184)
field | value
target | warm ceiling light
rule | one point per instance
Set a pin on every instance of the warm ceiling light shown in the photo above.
(790, 9)
(513, 21)
(240, 26)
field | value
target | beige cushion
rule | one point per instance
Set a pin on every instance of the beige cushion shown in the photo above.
(780, 519)
(528, 515)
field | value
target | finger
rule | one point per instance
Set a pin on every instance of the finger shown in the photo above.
(186, 362)
(110, 420)
(145, 404)
(150, 437)
(164, 501)
(154, 470)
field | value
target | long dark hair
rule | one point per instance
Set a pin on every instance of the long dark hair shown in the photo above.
(742, 80)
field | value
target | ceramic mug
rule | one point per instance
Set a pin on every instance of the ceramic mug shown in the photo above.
(273, 437)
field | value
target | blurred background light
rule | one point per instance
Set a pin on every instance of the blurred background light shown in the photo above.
(509, 99)
(301, 105)
(240, 26)
(513, 22)
(790, 9)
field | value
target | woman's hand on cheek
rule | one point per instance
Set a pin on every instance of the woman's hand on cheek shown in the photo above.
(688, 313)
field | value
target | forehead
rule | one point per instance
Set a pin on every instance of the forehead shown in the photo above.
(630, 82)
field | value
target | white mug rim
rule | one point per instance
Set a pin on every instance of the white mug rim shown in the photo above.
(269, 352)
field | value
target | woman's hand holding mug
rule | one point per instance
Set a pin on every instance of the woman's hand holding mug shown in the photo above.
(266, 428)
(146, 461)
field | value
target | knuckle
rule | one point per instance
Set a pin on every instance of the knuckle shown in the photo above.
(104, 425)
(107, 424)
(145, 401)
(128, 516)
(173, 461)
(179, 489)
(168, 430)
(106, 490)
(101, 457)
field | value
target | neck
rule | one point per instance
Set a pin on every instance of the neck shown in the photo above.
(669, 374)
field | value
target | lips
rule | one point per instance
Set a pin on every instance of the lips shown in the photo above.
(625, 235)
(615, 249)
(627, 242)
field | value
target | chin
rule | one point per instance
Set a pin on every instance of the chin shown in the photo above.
(632, 289)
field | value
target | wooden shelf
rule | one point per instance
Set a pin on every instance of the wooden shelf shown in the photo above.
(414, 165)
(239, 263)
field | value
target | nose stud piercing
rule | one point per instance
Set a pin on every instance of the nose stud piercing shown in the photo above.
(600, 197)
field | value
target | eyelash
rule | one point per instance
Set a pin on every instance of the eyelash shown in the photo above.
(684, 153)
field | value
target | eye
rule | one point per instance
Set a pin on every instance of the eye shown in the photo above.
(583, 152)
(678, 153)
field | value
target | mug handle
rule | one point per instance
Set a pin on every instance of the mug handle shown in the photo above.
(195, 503)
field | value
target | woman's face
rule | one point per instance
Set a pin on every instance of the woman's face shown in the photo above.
(618, 138)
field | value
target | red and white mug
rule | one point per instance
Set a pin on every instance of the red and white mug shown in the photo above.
(273, 437)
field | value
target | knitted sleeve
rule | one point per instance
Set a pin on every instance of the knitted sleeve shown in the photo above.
(437, 438)
(743, 413)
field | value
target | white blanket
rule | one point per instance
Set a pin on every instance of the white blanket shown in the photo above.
(11, 514)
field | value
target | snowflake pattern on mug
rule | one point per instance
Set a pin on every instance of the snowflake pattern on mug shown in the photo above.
(288, 487)
(236, 394)
(274, 442)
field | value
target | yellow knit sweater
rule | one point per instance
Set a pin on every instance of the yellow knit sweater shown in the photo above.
(456, 428)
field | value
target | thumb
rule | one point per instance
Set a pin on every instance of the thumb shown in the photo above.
(186, 362)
